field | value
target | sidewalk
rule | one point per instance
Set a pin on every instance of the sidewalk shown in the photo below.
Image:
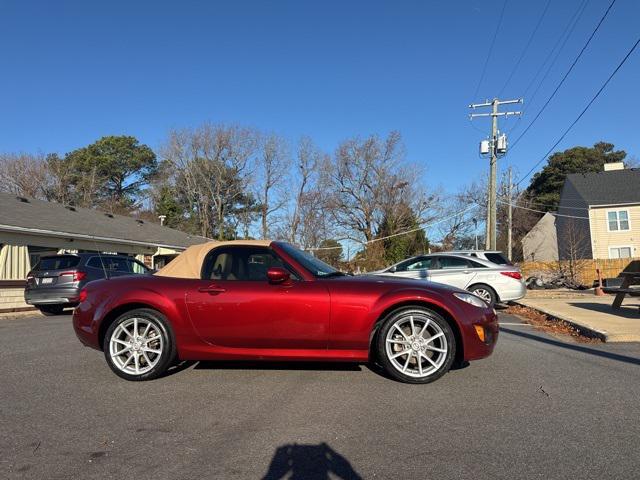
(589, 312)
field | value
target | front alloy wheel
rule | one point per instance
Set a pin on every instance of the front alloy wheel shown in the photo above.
(416, 345)
(138, 345)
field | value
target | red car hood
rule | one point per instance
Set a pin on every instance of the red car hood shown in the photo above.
(396, 282)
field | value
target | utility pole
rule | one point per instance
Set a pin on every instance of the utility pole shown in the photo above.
(496, 146)
(510, 215)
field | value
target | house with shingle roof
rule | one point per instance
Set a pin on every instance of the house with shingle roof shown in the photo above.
(31, 228)
(599, 214)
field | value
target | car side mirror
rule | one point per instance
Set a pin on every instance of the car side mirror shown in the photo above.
(278, 275)
(393, 269)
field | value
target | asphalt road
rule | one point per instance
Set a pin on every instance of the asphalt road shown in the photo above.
(540, 407)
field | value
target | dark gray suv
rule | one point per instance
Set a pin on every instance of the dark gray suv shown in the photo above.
(55, 282)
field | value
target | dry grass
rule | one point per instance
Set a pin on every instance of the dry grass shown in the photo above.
(548, 324)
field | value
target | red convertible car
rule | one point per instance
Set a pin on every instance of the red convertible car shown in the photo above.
(261, 300)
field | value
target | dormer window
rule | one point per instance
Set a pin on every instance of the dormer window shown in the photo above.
(618, 220)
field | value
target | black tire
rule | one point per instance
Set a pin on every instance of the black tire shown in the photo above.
(485, 292)
(419, 314)
(167, 344)
(50, 310)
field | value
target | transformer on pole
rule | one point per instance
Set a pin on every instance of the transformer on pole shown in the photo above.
(495, 146)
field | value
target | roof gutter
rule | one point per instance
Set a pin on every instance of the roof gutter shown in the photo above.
(53, 233)
(609, 205)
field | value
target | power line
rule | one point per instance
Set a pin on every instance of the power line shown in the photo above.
(540, 204)
(526, 48)
(583, 111)
(565, 75)
(540, 211)
(493, 42)
(566, 34)
(423, 226)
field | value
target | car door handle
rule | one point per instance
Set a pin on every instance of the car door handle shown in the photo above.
(212, 289)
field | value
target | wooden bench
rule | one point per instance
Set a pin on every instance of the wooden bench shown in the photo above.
(632, 292)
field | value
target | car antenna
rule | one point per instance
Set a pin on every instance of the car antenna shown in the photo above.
(104, 269)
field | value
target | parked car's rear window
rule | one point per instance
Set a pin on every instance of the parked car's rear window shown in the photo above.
(476, 264)
(452, 262)
(58, 262)
(497, 258)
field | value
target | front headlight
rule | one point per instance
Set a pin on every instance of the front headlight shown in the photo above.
(471, 299)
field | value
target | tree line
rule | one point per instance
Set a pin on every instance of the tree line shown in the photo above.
(229, 182)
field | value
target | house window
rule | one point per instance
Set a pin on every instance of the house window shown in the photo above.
(620, 252)
(618, 220)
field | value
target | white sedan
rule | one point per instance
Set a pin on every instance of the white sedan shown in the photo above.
(493, 283)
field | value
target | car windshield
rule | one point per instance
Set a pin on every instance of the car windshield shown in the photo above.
(317, 267)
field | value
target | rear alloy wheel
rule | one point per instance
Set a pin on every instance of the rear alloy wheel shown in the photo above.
(416, 345)
(486, 293)
(138, 345)
(50, 310)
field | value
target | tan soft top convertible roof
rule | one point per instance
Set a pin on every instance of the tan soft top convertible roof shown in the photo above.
(189, 263)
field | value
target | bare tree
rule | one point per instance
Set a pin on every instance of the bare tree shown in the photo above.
(210, 171)
(58, 188)
(371, 184)
(307, 219)
(456, 228)
(575, 248)
(307, 161)
(272, 166)
(24, 174)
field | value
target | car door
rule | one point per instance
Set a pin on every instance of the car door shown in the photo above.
(234, 305)
(454, 271)
(417, 267)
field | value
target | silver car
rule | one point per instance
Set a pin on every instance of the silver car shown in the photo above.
(493, 283)
(493, 256)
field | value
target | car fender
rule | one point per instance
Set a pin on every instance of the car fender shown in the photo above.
(407, 296)
(153, 299)
(144, 297)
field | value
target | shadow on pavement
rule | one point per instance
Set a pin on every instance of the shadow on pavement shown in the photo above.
(578, 348)
(179, 367)
(293, 366)
(309, 462)
(626, 310)
(267, 365)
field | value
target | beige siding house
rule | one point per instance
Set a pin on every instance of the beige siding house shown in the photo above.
(615, 231)
(31, 228)
(599, 214)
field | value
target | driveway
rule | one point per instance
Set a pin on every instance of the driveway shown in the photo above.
(540, 407)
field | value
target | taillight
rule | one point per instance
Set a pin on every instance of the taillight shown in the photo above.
(83, 295)
(77, 276)
(515, 275)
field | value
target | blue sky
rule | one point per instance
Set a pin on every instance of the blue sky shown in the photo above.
(75, 71)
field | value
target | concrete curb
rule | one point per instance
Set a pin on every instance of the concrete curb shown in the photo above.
(585, 330)
(19, 314)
